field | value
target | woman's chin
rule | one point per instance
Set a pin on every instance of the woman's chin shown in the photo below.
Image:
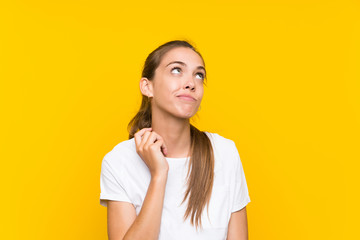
(187, 114)
(184, 112)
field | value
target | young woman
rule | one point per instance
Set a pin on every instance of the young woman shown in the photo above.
(157, 183)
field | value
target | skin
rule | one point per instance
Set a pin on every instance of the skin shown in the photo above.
(171, 125)
(238, 226)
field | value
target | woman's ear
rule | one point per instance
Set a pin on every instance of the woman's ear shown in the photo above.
(146, 87)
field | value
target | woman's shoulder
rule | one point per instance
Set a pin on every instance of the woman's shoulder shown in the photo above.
(225, 151)
(122, 151)
(220, 140)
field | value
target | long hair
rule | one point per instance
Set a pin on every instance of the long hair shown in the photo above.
(201, 164)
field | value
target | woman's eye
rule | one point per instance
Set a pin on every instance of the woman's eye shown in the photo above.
(202, 75)
(175, 68)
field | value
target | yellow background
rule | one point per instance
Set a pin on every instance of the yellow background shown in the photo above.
(283, 83)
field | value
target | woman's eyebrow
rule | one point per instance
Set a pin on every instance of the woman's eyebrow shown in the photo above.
(184, 64)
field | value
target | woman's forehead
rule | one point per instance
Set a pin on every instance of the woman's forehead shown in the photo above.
(181, 54)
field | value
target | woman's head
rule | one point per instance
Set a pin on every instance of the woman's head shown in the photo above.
(175, 68)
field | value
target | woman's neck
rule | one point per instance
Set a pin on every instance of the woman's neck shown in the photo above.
(176, 135)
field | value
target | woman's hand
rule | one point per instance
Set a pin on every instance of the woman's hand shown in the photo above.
(150, 146)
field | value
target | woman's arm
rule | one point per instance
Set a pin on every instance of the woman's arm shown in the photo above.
(122, 223)
(147, 223)
(238, 227)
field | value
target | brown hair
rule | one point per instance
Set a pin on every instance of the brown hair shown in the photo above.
(201, 161)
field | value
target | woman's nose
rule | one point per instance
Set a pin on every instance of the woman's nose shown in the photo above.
(190, 83)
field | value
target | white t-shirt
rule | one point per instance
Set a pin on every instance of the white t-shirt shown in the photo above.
(125, 177)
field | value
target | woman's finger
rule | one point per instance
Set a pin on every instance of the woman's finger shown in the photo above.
(154, 138)
(138, 135)
(144, 138)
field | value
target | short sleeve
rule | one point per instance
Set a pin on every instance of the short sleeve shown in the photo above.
(110, 186)
(241, 193)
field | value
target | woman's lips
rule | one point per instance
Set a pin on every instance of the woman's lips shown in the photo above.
(186, 98)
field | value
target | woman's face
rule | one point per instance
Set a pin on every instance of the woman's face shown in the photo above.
(181, 72)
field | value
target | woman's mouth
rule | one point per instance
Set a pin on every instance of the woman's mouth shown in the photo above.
(190, 99)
